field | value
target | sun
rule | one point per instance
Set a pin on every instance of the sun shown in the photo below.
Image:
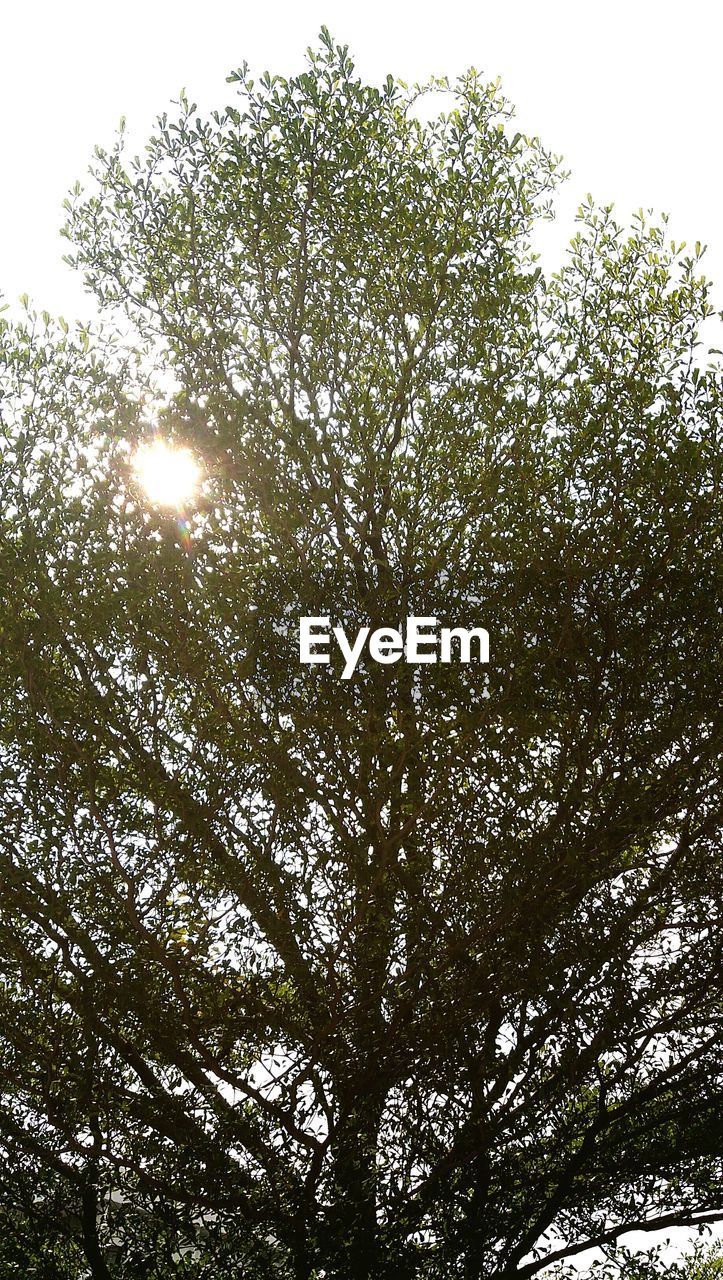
(168, 473)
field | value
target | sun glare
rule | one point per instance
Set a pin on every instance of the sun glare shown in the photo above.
(169, 474)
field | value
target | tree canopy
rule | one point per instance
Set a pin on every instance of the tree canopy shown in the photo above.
(415, 975)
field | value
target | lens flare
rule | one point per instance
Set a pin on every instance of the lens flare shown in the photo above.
(168, 473)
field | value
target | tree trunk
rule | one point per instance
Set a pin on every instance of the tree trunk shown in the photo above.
(353, 1237)
(91, 1243)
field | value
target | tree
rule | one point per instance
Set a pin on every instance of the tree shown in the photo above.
(415, 974)
(625, 1264)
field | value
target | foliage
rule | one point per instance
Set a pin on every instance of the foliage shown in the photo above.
(701, 1263)
(414, 975)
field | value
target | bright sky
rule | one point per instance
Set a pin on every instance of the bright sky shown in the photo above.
(630, 93)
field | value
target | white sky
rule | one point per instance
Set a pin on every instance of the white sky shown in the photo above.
(630, 94)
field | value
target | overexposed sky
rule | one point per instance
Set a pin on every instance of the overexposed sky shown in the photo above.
(630, 93)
